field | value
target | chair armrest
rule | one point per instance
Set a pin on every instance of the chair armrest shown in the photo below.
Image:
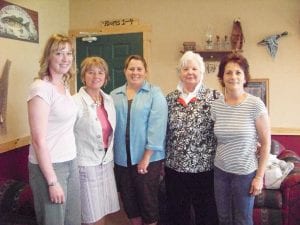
(293, 178)
(289, 155)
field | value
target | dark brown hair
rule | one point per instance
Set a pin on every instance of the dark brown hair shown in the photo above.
(235, 58)
(136, 57)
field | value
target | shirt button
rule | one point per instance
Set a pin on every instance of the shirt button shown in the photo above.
(98, 136)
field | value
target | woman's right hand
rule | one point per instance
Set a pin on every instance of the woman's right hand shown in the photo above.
(56, 194)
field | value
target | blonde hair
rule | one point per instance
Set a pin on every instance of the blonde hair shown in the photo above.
(54, 43)
(89, 62)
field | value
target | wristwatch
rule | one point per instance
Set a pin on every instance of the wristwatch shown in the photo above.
(52, 183)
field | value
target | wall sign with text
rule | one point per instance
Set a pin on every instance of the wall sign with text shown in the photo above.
(119, 22)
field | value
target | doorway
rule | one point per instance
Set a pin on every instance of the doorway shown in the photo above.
(113, 49)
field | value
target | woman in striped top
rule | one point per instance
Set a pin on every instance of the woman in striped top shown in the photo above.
(241, 121)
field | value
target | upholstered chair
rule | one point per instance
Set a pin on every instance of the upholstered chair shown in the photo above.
(280, 206)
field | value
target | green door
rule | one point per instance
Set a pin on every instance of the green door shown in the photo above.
(114, 49)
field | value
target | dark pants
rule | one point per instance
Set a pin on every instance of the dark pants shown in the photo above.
(139, 192)
(191, 191)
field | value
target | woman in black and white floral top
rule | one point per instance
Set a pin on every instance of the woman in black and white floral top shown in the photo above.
(191, 146)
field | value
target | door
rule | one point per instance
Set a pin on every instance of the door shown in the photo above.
(114, 49)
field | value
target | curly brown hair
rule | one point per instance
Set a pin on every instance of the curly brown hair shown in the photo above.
(235, 58)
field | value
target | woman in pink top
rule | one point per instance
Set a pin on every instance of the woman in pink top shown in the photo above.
(94, 132)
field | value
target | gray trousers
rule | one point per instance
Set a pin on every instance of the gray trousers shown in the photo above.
(48, 213)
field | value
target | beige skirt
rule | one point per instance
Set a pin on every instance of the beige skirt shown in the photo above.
(99, 195)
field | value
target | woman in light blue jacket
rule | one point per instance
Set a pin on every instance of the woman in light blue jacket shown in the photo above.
(139, 142)
(94, 133)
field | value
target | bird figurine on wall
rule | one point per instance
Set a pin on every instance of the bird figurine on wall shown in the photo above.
(272, 43)
(237, 37)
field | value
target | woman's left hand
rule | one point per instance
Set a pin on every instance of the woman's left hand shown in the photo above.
(142, 167)
(256, 186)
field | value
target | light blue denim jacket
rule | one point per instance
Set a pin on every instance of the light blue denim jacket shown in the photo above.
(88, 130)
(148, 123)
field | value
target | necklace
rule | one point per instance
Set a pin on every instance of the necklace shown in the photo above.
(98, 101)
(95, 96)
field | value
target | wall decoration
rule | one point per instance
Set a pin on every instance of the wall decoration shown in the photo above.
(119, 22)
(237, 38)
(259, 88)
(212, 67)
(18, 23)
(272, 43)
(3, 96)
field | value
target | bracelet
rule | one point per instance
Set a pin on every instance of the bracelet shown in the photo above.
(258, 177)
(52, 183)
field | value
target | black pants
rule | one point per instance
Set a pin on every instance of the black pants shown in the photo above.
(139, 192)
(190, 198)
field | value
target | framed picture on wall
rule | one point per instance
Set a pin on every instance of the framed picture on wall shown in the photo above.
(259, 88)
(19, 23)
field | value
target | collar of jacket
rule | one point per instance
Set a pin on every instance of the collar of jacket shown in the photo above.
(199, 94)
(88, 99)
(145, 87)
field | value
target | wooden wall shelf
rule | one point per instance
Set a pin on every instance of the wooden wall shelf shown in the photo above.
(214, 55)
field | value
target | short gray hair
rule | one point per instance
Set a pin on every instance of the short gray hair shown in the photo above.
(191, 56)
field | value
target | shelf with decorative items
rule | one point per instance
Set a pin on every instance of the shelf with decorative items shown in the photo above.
(216, 47)
(213, 55)
(214, 52)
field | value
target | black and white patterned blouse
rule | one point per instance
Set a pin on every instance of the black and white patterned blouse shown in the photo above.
(191, 143)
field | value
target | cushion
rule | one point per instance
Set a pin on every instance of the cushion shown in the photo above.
(269, 199)
(264, 216)
(16, 202)
(276, 147)
(293, 178)
(289, 156)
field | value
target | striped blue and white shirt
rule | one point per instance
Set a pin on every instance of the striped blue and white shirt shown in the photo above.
(236, 134)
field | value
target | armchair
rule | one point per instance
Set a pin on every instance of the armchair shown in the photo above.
(280, 206)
